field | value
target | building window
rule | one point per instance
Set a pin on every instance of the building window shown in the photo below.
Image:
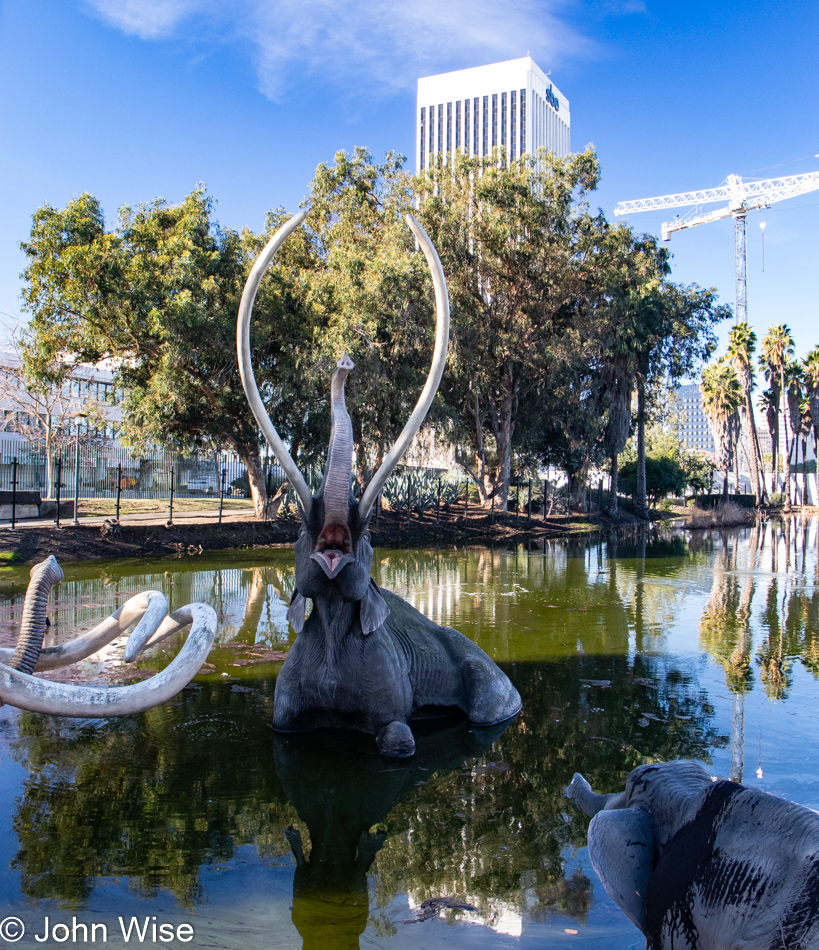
(423, 136)
(513, 126)
(494, 120)
(466, 126)
(458, 124)
(475, 126)
(523, 122)
(440, 129)
(448, 128)
(503, 119)
(431, 149)
(485, 125)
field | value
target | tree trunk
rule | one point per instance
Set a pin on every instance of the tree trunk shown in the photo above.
(784, 400)
(49, 441)
(804, 471)
(614, 511)
(255, 475)
(756, 474)
(503, 438)
(640, 500)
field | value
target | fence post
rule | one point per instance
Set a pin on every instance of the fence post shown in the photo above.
(492, 516)
(438, 503)
(466, 499)
(57, 489)
(529, 516)
(222, 493)
(119, 486)
(600, 495)
(545, 495)
(13, 489)
(170, 501)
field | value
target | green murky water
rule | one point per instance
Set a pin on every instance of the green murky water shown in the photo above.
(704, 647)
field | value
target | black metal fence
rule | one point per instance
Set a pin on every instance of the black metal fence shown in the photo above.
(111, 471)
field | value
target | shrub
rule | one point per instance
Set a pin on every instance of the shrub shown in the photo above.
(664, 477)
(726, 515)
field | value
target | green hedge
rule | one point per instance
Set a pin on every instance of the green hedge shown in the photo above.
(711, 501)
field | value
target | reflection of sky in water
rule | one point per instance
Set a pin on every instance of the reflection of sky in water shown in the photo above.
(701, 647)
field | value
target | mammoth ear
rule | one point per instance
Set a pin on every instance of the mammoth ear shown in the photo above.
(295, 612)
(621, 849)
(374, 609)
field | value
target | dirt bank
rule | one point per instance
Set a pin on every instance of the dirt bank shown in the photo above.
(87, 542)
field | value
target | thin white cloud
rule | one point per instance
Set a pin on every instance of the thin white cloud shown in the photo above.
(365, 47)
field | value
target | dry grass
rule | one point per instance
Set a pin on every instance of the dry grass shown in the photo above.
(131, 506)
(727, 514)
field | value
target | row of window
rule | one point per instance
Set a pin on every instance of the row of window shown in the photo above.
(474, 119)
(13, 421)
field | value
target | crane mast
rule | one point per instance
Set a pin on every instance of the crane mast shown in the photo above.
(742, 197)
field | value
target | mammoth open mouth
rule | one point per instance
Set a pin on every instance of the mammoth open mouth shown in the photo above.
(334, 549)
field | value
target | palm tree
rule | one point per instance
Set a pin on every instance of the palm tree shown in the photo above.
(741, 346)
(777, 349)
(805, 420)
(769, 401)
(811, 368)
(793, 408)
(722, 398)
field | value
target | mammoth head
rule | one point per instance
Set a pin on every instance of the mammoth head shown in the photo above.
(334, 545)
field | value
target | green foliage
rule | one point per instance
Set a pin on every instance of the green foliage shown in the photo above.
(664, 476)
(699, 472)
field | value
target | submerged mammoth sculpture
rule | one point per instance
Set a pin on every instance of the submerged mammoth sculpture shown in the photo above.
(365, 659)
(148, 610)
(704, 865)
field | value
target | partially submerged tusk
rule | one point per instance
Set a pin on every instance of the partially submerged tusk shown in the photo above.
(246, 364)
(435, 372)
(149, 608)
(61, 699)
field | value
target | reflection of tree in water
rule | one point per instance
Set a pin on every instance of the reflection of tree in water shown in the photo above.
(496, 832)
(152, 797)
(788, 615)
(158, 796)
(725, 625)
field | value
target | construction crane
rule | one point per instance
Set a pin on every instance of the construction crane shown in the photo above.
(742, 197)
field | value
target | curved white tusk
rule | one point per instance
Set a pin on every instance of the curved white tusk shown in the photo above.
(246, 364)
(61, 699)
(435, 372)
(148, 607)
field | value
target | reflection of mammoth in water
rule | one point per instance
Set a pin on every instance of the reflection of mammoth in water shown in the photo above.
(699, 864)
(340, 792)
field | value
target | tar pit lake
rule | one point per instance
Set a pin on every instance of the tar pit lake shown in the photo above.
(697, 645)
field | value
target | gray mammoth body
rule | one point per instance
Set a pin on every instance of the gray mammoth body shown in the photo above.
(704, 864)
(364, 659)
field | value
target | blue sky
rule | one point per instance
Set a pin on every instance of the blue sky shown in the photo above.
(132, 99)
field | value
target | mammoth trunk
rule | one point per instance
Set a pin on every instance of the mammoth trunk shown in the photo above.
(340, 453)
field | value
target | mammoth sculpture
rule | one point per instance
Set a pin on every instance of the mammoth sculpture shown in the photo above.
(364, 659)
(148, 610)
(711, 865)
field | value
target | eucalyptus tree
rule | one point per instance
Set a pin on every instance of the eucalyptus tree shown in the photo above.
(777, 349)
(506, 232)
(722, 398)
(370, 290)
(741, 347)
(157, 295)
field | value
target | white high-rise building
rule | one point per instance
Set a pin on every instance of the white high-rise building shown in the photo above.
(513, 105)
